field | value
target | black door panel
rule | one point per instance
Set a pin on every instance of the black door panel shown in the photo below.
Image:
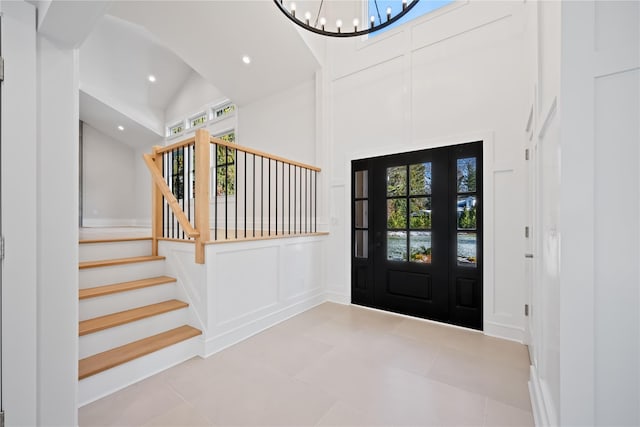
(417, 235)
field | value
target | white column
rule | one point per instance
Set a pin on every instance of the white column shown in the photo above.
(57, 199)
(19, 304)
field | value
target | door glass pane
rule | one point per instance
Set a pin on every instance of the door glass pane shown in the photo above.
(467, 175)
(466, 211)
(362, 244)
(467, 249)
(362, 187)
(397, 181)
(420, 179)
(396, 213)
(362, 214)
(420, 246)
(420, 216)
(397, 245)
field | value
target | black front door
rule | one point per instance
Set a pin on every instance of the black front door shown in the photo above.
(417, 233)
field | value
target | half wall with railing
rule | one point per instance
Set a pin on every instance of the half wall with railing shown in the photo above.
(206, 189)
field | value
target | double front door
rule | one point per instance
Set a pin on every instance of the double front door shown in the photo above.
(417, 233)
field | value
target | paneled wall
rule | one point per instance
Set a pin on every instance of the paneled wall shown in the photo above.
(543, 214)
(452, 77)
(599, 213)
(232, 302)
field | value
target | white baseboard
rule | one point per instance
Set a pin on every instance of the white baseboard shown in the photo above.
(228, 338)
(146, 222)
(543, 412)
(338, 298)
(109, 222)
(507, 332)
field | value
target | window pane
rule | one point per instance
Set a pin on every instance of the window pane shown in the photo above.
(362, 243)
(362, 214)
(466, 211)
(397, 245)
(420, 179)
(362, 183)
(396, 213)
(420, 217)
(378, 8)
(467, 249)
(467, 175)
(397, 181)
(420, 245)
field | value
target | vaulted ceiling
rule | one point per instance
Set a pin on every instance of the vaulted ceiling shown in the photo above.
(123, 42)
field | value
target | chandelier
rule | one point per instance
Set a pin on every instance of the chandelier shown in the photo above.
(317, 23)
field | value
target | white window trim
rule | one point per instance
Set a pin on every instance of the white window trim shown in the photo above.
(197, 116)
(221, 106)
(173, 136)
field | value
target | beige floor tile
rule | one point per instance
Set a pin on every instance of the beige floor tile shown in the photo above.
(392, 395)
(281, 350)
(499, 414)
(132, 406)
(480, 375)
(336, 365)
(342, 414)
(184, 415)
(257, 395)
(421, 330)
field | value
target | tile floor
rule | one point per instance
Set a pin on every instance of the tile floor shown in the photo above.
(336, 365)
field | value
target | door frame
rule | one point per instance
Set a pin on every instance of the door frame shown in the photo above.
(489, 168)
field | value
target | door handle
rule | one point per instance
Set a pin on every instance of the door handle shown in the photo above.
(528, 255)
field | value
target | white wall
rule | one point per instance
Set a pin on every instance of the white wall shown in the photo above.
(108, 178)
(453, 77)
(57, 228)
(543, 141)
(283, 124)
(19, 226)
(194, 96)
(599, 213)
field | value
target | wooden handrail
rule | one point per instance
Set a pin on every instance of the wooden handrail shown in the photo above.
(180, 144)
(235, 146)
(156, 174)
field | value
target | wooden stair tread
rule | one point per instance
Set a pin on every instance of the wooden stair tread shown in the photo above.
(118, 261)
(111, 320)
(123, 287)
(117, 356)
(114, 240)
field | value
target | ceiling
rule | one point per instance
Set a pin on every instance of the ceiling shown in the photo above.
(106, 119)
(123, 42)
(212, 37)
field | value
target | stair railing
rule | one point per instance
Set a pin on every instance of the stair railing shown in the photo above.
(181, 170)
(253, 194)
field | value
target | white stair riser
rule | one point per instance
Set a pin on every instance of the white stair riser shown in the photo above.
(110, 250)
(114, 379)
(109, 304)
(107, 339)
(90, 277)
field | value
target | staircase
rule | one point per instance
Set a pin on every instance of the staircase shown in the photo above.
(133, 320)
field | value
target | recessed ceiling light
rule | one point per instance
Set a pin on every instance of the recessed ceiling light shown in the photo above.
(120, 127)
(152, 78)
(246, 59)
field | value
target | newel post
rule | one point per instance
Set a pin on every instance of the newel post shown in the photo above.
(156, 206)
(202, 192)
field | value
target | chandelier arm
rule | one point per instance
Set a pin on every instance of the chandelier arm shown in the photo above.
(369, 30)
(378, 10)
(315, 24)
